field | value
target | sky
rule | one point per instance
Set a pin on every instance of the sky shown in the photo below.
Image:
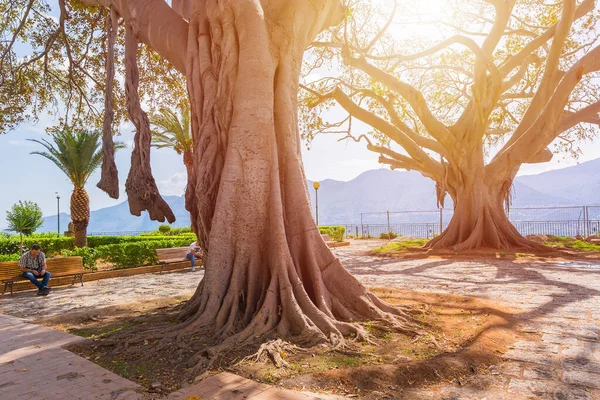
(30, 177)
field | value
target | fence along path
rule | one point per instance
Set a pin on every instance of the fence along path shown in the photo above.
(558, 221)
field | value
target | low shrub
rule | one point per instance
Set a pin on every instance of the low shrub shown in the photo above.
(9, 257)
(51, 245)
(336, 233)
(388, 235)
(167, 230)
(96, 241)
(125, 255)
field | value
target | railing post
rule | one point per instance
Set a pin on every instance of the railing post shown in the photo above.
(586, 221)
(388, 225)
(362, 228)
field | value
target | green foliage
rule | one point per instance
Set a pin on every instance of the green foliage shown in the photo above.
(24, 217)
(388, 235)
(96, 241)
(88, 255)
(172, 132)
(127, 254)
(566, 241)
(52, 244)
(36, 74)
(164, 228)
(184, 231)
(336, 233)
(9, 257)
(399, 246)
(76, 152)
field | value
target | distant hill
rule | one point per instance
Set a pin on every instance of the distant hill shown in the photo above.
(379, 191)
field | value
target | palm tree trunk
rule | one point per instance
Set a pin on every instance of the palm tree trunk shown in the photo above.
(188, 161)
(80, 215)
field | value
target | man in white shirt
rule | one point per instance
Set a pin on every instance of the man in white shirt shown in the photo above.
(194, 252)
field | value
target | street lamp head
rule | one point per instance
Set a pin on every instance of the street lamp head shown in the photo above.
(316, 185)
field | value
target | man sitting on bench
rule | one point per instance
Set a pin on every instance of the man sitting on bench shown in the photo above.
(33, 265)
(193, 253)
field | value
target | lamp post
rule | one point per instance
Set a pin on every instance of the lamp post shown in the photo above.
(58, 213)
(317, 185)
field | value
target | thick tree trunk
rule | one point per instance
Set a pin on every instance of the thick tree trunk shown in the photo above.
(479, 219)
(268, 270)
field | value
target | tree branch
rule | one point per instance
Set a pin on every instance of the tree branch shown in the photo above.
(416, 100)
(418, 155)
(547, 126)
(514, 61)
(155, 24)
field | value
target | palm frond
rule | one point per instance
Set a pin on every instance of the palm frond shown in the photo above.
(76, 153)
(172, 131)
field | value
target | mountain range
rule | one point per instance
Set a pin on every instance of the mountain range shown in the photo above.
(379, 191)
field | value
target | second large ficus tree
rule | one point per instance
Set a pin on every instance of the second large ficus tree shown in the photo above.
(502, 76)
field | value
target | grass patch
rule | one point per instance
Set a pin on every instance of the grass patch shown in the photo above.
(399, 246)
(99, 332)
(565, 241)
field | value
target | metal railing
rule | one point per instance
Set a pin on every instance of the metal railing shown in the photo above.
(557, 221)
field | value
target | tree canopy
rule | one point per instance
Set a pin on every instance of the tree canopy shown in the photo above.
(492, 66)
(24, 217)
(53, 57)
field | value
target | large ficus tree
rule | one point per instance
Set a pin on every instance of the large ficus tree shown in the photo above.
(268, 271)
(465, 100)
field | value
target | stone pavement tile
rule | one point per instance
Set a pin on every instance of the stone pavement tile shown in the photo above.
(268, 394)
(540, 372)
(559, 339)
(582, 378)
(535, 389)
(580, 363)
(33, 364)
(535, 346)
(218, 385)
(527, 356)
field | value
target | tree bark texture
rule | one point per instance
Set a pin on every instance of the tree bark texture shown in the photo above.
(267, 269)
(80, 215)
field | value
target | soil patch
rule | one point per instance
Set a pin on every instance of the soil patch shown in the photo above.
(466, 336)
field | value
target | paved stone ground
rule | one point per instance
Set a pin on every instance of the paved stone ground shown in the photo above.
(95, 295)
(558, 301)
(33, 365)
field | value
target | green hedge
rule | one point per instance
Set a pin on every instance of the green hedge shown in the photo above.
(53, 244)
(126, 255)
(336, 233)
(9, 257)
(96, 241)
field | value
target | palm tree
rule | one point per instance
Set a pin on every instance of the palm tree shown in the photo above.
(77, 153)
(170, 131)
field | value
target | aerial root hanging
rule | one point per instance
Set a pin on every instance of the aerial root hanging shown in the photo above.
(141, 187)
(109, 179)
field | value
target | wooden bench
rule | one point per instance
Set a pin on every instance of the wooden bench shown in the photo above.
(58, 267)
(166, 257)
